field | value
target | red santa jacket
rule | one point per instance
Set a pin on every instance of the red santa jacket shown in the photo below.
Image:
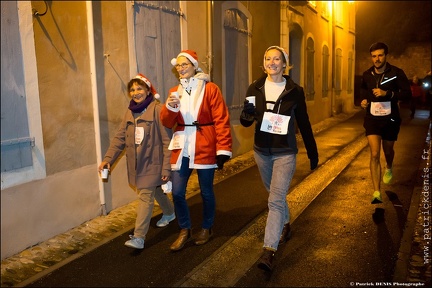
(206, 131)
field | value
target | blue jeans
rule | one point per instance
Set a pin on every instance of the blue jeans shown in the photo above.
(179, 181)
(276, 173)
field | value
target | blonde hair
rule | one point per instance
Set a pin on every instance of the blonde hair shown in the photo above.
(285, 58)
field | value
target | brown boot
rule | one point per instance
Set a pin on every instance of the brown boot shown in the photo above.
(286, 234)
(203, 236)
(184, 236)
(266, 260)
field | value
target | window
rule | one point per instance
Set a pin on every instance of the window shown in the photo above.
(351, 16)
(350, 72)
(339, 13)
(236, 39)
(310, 53)
(157, 37)
(326, 8)
(325, 67)
(16, 143)
(338, 74)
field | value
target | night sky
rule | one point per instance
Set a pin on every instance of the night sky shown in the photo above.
(393, 22)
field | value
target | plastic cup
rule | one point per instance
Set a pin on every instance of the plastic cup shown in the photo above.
(105, 173)
(251, 99)
(175, 94)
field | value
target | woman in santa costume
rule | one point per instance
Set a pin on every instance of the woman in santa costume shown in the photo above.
(197, 112)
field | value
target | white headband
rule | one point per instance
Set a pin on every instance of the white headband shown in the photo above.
(277, 48)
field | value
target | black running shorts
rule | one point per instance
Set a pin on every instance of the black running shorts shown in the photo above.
(387, 128)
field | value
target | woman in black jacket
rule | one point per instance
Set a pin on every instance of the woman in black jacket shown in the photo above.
(279, 105)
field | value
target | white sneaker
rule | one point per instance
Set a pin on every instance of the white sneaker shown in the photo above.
(135, 242)
(165, 220)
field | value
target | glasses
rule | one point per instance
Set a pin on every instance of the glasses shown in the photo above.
(182, 66)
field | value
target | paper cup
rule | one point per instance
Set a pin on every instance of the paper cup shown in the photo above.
(167, 187)
(251, 99)
(175, 94)
(104, 173)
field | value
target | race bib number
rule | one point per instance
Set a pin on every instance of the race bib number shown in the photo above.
(275, 123)
(380, 108)
(139, 135)
(177, 141)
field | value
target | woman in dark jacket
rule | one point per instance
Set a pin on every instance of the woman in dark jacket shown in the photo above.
(280, 104)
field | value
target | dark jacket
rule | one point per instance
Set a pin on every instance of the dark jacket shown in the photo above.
(394, 81)
(148, 161)
(291, 103)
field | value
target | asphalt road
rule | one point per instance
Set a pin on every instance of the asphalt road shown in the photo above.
(239, 200)
(341, 238)
(338, 236)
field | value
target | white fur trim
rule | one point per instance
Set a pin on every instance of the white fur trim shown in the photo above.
(144, 79)
(188, 56)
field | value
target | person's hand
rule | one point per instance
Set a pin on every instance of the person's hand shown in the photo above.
(103, 165)
(173, 101)
(364, 104)
(378, 92)
(248, 108)
(165, 178)
(221, 159)
(313, 163)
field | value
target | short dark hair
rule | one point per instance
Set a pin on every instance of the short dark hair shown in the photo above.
(139, 82)
(377, 46)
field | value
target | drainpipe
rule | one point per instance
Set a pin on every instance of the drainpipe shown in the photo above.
(94, 93)
(210, 38)
(284, 30)
(333, 52)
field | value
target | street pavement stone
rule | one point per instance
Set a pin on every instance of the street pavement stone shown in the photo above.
(67, 246)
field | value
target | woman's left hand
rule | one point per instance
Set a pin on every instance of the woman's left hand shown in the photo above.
(165, 178)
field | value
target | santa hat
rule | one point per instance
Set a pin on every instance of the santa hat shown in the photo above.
(277, 48)
(190, 55)
(148, 83)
